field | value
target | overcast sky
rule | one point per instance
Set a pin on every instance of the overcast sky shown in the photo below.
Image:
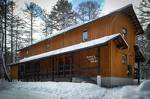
(109, 6)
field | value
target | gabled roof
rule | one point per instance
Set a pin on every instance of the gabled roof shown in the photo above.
(81, 46)
(128, 10)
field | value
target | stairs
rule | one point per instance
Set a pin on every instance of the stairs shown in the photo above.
(3, 70)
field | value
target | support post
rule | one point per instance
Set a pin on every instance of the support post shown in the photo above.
(53, 68)
(98, 60)
(63, 65)
(71, 66)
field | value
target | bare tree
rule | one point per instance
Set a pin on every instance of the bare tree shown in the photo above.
(88, 10)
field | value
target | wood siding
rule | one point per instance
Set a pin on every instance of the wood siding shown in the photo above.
(95, 29)
(118, 69)
(109, 56)
(105, 61)
(14, 72)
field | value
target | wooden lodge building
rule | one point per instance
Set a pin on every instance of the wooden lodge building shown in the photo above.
(104, 46)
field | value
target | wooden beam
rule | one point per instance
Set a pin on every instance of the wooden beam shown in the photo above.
(71, 66)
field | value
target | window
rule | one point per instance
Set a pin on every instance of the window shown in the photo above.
(85, 36)
(124, 31)
(130, 70)
(27, 53)
(124, 59)
(47, 47)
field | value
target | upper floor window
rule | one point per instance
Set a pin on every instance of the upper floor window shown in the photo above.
(124, 31)
(47, 47)
(27, 53)
(124, 59)
(85, 36)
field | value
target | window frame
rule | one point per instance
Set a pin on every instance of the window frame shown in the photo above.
(85, 36)
(124, 31)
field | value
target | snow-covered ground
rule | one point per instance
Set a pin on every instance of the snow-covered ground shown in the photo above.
(67, 90)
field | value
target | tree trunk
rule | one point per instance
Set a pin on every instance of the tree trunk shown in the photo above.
(2, 31)
(31, 28)
(5, 30)
(12, 33)
(16, 46)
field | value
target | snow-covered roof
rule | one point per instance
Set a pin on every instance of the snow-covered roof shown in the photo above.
(83, 45)
(123, 9)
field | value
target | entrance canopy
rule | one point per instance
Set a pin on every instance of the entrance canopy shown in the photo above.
(84, 45)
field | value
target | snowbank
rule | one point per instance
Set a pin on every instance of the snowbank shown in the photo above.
(68, 90)
(53, 90)
(2, 84)
(145, 86)
(63, 90)
(137, 92)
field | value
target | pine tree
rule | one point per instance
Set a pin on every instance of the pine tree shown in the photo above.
(34, 11)
(5, 17)
(48, 24)
(144, 17)
(143, 41)
(148, 31)
(13, 28)
(144, 12)
(62, 15)
(20, 36)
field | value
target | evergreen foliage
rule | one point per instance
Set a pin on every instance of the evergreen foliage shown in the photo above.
(34, 11)
(62, 15)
